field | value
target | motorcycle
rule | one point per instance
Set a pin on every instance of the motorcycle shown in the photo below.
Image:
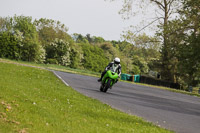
(108, 80)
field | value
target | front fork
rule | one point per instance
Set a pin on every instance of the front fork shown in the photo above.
(111, 83)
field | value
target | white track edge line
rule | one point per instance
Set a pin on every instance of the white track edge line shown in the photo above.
(61, 79)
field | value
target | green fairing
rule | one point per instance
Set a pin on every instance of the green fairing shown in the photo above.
(111, 75)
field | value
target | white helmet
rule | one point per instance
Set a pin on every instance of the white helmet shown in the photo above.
(117, 60)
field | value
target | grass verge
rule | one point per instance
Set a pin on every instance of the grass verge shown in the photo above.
(54, 67)
(34, 100)
(193, 93)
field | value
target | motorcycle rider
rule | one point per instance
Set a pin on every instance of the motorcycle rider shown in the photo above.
(113, 66)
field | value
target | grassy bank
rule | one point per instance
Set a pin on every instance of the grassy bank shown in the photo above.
(53, 67)
(34, 100)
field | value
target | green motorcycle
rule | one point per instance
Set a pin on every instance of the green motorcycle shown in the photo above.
(108, 80)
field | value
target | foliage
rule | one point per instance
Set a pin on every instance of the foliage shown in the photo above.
(98, 39)
(49, 30)
(142, 50)
(183, 34)
(54, 38)
(20, 39)
(189, 60)
(80, 38)
(135, 70)
(31, 49)
(140, 63)
(60, 51)
(9, 47)
(87, 39)
(51, 61)
(93, 58)
(76, 56)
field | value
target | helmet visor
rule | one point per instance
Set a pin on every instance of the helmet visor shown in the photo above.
(116, 62)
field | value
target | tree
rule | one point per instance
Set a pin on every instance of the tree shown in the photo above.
(90, 40)
(93, 58)
(98, 39)
(165, 8)
(143, 51)
(49, 30)
(80, 38)
(110, 51)
(183, 37)
(31, 49)
(21, 39)
(8, 46)
(76, 56)
(60, 51)
(54, 32)
(189, 58)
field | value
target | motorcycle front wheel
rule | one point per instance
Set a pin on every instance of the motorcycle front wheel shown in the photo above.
(106, 86)
(101, 87)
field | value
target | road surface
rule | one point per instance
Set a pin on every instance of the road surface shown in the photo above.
(173, 111)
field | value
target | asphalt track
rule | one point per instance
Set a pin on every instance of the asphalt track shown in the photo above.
(173, 111)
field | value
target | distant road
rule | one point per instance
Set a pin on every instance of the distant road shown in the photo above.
(174, 111)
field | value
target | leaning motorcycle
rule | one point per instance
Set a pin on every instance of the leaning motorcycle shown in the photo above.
(108, 80)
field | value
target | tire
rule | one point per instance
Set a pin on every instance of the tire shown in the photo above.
(107, 85)
(101, 87)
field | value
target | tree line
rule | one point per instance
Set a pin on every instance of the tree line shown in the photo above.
(47, 41)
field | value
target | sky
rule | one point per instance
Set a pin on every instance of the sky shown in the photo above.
(94, 17)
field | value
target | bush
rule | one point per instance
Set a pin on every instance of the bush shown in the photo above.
(93, 58)
(51, 61)
(8, 46)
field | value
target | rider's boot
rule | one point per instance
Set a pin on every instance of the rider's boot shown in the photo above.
(99, 80)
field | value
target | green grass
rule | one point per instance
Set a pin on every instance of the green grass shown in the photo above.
(196, 90)
(35, 100)
(54, 67)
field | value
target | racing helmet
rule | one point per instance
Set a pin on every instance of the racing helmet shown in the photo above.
(117, 60)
